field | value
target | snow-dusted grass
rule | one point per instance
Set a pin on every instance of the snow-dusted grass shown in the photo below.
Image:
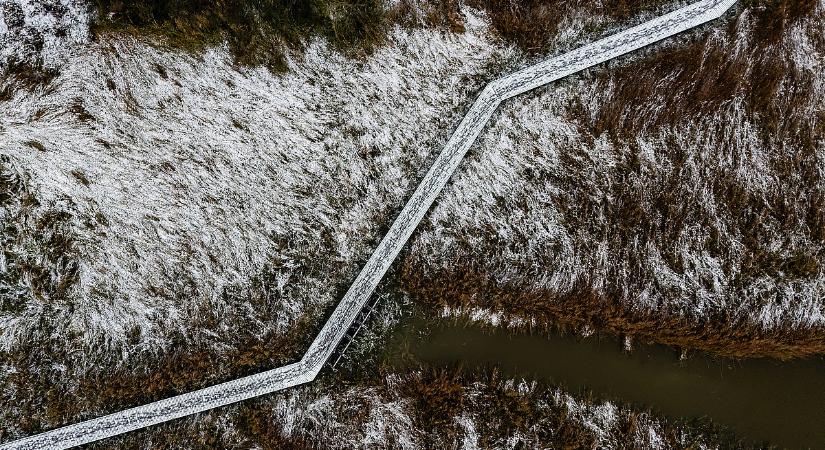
(695, 207)
(200, 201)
(201, 173)
(207, 210)
(205, 202)
(387, 412)
(40, 33)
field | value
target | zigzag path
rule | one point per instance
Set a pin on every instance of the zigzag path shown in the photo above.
(355, 299)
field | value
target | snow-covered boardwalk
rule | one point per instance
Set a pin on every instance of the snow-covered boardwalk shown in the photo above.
(356, 297)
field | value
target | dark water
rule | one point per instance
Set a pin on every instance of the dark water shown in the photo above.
(760, 400)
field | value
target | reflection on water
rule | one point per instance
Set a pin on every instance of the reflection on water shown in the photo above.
(762, 400)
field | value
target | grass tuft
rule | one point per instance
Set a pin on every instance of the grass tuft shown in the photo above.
(19, 75)
(80, 177)
(35, 145)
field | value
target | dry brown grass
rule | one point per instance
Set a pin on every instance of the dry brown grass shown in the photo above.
(438, 396)
(40, 251)
(185, 369)
(256, 423)
(531, 24)
(259, 33)
(249, 425)
(434, 395)
(706, 76)
(501, 410)
(583, 308)
(37, 145)
(443, 14)
(21, 75)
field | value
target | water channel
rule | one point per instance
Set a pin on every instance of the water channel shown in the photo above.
(761, 400)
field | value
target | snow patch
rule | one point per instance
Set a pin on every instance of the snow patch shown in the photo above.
(41, 33)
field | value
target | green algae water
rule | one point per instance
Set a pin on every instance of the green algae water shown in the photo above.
(762, 400)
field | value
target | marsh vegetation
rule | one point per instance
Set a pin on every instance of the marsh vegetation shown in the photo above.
(676, 198)
(172, 219)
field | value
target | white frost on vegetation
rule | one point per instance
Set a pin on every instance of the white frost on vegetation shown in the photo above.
(373, 417)
(486, 316)
(604, 420)
(41, 33)
(349, 418)
(200, 175)
(599, 418)
(511, 212)
(382, 413)
(469, 439)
